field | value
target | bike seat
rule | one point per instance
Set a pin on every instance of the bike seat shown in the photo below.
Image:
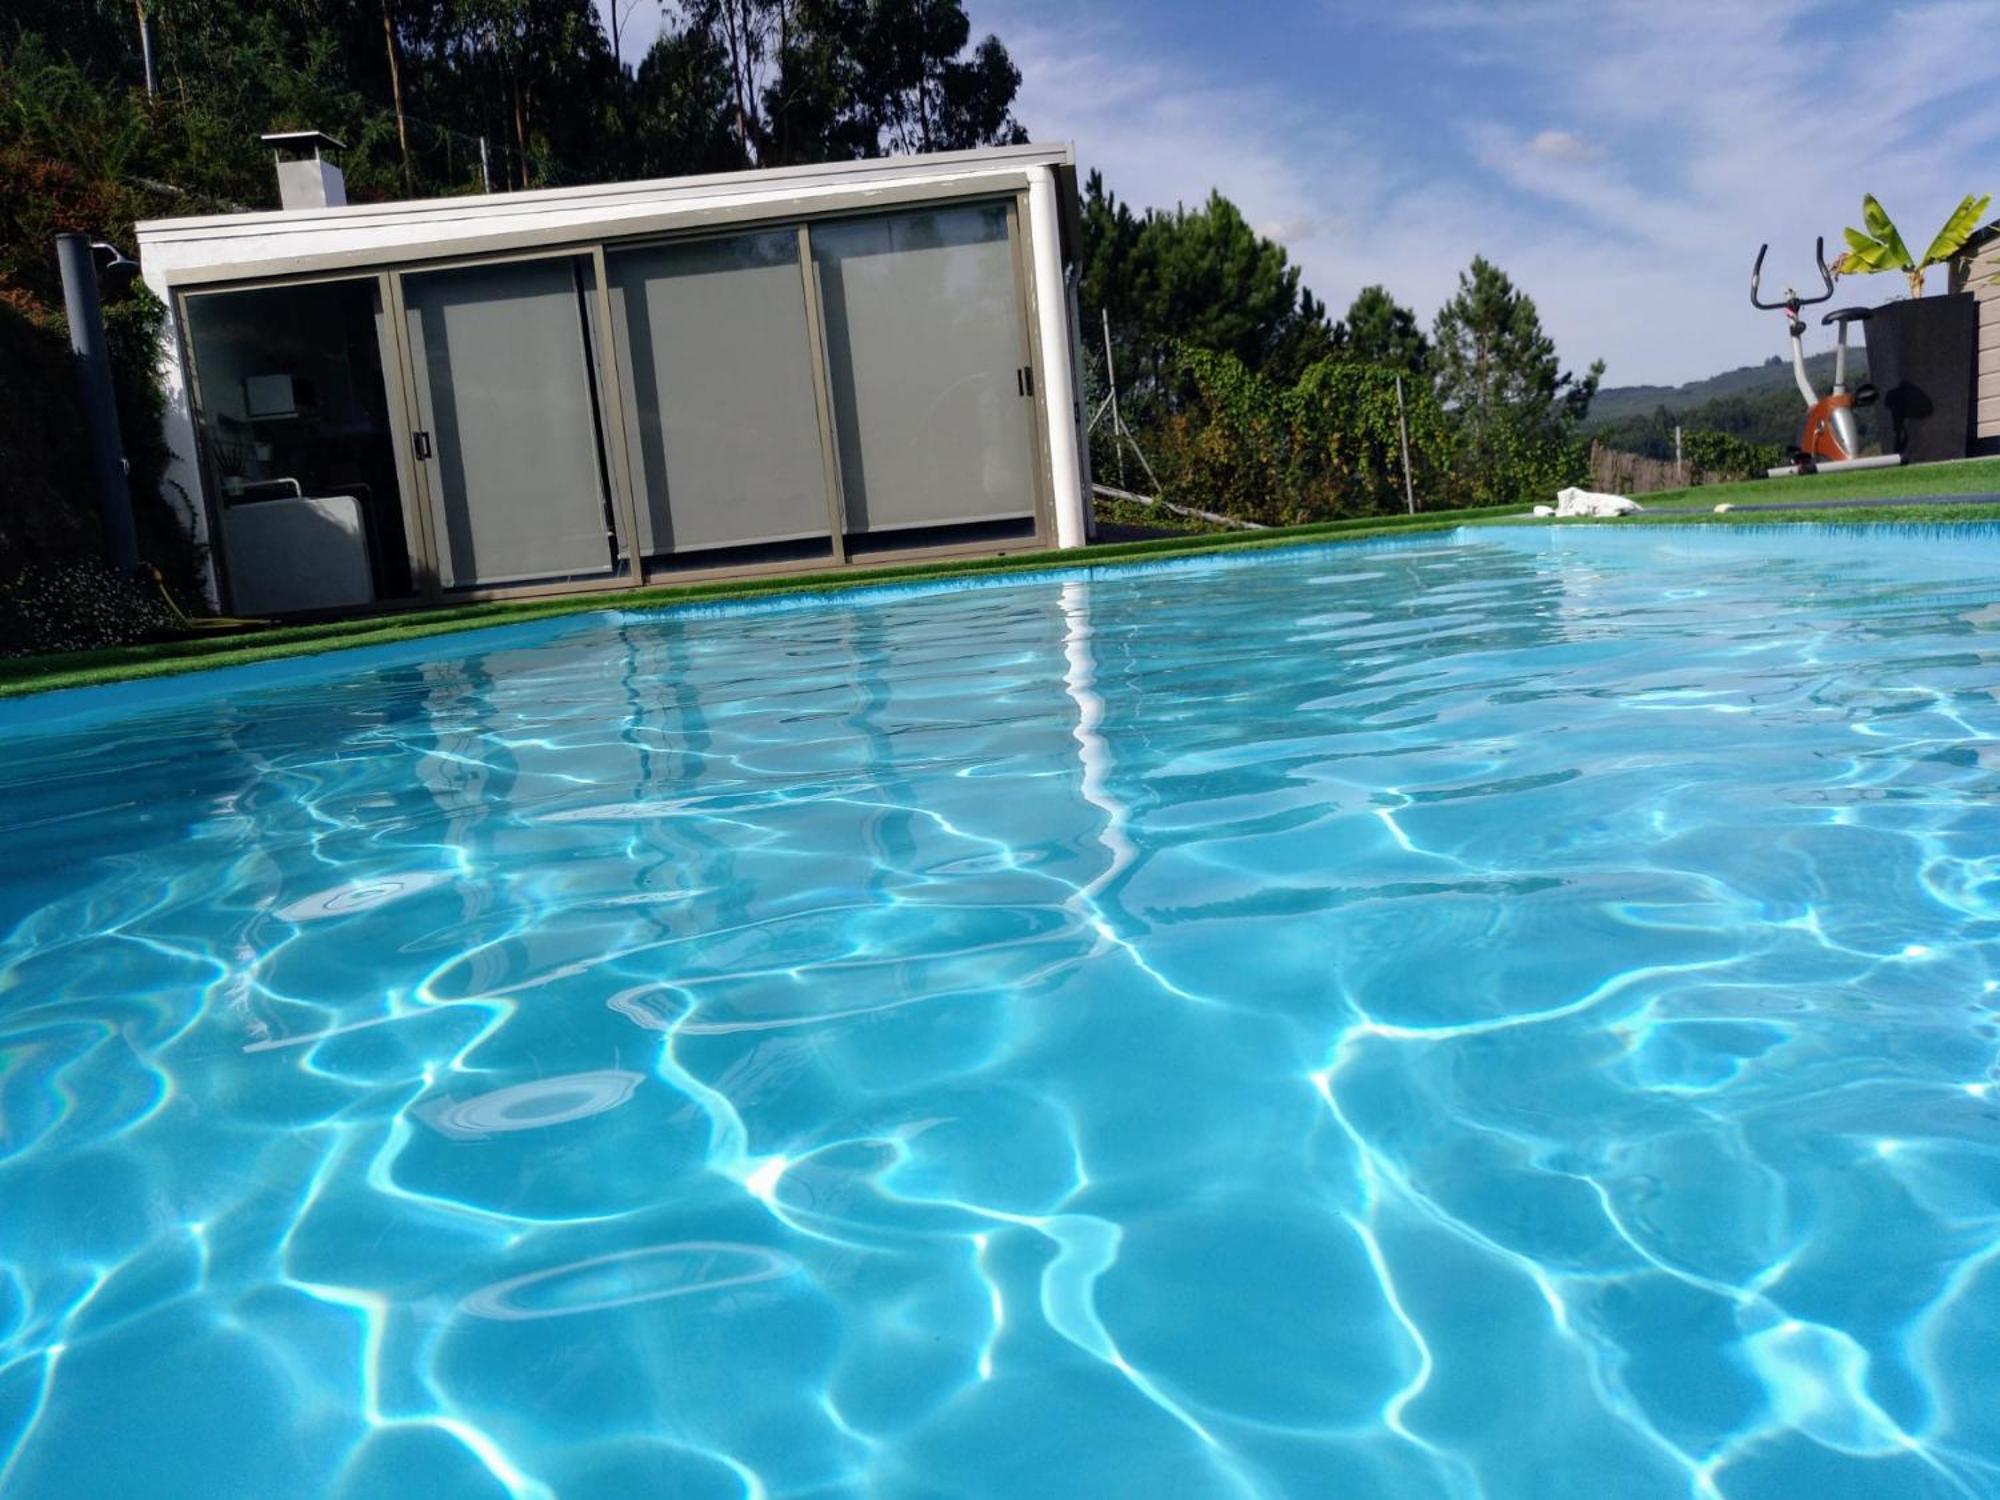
(1847, 315)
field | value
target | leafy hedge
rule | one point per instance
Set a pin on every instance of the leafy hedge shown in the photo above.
(1713, 456)
(1329, 446)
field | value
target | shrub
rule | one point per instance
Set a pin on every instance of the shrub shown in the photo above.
(78, 606)
(1244, 445)
(44, 484)
(1514, 457)
(48, 513)
(1347, 437)
(1714, 456)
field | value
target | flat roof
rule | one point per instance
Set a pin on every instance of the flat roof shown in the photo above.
(754, 183)
(218, 249)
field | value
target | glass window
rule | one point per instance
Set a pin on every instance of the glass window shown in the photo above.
(294, 416)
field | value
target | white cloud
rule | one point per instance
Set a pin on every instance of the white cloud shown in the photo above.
(1560, 145)
(1163, 135)
(1683, 136)
(1661, 145)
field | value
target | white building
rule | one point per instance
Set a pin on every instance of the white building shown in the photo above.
(602, 387)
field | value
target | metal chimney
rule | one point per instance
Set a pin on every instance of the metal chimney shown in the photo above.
(306, 181)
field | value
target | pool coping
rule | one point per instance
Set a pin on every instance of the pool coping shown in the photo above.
(36, 677)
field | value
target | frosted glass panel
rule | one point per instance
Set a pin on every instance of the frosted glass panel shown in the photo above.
(504, 387)
(720, 417)
(924, 348)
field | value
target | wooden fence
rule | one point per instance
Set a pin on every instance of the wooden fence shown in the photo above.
(1615, 472)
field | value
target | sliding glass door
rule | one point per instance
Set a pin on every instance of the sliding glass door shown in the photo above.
(721, 418)
(757, 397)
(300, 436)
(508, 440)
(928, 366)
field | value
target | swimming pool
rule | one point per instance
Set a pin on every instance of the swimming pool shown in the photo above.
(1503, 1014)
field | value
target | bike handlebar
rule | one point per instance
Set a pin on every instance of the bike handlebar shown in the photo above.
(1793, 301)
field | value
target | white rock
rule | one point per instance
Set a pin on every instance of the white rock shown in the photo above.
(1543, 510)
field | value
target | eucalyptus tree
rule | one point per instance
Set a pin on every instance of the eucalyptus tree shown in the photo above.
(826, 80)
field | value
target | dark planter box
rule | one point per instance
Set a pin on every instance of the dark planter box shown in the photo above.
(1921, 357)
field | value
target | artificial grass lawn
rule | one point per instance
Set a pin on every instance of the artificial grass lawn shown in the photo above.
(1978, 476)
(35, 674)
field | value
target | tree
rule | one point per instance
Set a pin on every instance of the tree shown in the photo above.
(744, 30)
(548, 62)
(925, 95)
(1497, 373)
(1880, 246)
(1378, 330)
(835, 80)
(1205, 277)
(1307, 338)
(1197, 278)
(1107, 268)
(681, 117)
(1328, 445)
(1490, 351)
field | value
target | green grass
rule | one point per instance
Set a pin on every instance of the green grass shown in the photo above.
(1675, 507)
(1974, 477)
(1934, 513)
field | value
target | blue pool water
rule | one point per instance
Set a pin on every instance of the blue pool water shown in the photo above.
(1502, 1015)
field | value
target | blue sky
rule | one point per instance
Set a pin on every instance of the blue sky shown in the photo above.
(1621, 159)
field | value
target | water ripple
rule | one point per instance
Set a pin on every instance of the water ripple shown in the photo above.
(1514, 1014)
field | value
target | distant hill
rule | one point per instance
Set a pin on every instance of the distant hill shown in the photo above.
(1759, 403)
(1618, 401)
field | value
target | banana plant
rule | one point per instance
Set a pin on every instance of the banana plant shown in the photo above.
(1880, 248)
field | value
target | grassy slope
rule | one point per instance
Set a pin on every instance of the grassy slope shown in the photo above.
(87, 668)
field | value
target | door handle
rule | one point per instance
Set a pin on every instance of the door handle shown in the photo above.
(1024, 381)
(421, 441)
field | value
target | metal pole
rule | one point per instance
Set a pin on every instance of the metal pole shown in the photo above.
(100, 407)
(146, 47)
(1403, 431)
(485, 174)
(1111, 375)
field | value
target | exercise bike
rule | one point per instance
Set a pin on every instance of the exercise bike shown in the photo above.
(1830, 442)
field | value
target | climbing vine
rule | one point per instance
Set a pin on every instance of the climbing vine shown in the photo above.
(1324, 447)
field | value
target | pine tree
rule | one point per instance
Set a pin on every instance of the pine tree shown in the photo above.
(1490, 352)
(1497, 374)
(1378, 330)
